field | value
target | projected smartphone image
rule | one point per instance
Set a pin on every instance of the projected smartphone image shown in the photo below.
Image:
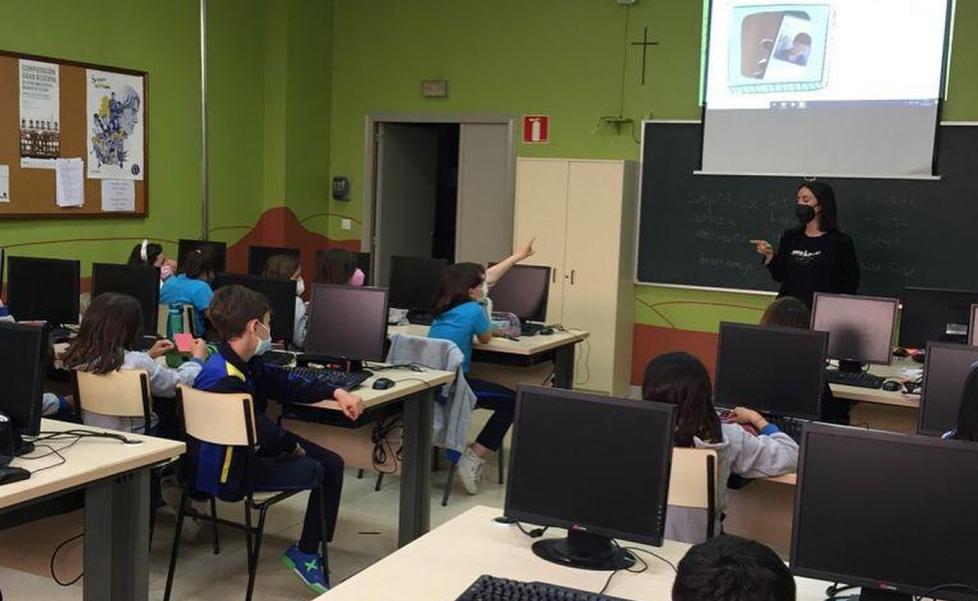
(780, 48)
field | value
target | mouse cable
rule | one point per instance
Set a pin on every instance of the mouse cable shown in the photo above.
(54, 556)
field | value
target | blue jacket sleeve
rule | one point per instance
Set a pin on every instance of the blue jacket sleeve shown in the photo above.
(277, 383)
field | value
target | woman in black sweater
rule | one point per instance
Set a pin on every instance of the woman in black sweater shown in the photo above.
(815, 256)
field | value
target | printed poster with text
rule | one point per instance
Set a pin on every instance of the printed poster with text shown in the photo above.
(40, 111)
(115, 125)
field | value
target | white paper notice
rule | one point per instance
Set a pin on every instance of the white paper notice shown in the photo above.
(70, 178)
(118, 196)
(4, 183)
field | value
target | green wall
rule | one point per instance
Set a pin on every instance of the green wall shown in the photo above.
(554, 57)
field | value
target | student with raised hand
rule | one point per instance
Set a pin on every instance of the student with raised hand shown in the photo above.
(746, 443)
(730, 568)
(106, 338)
(192, 286)
(151, 254)
(287, 267)
(967, 428)
(284, 460)
(338, 266)
(789, 312)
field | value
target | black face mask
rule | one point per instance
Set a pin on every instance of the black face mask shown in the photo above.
(805, 214)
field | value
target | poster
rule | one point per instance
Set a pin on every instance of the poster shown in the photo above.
(69, 183)
(40, 116)
(4, 184)
(115, 125)
(118, 196)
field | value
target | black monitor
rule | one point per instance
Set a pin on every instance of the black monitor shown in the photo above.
(23, 359)
(259, 255)
(347, 323)
(935, 314)
(363, 263)
(524, 292)
(972, 329)
(778, 371)
(218, 251)
(946, 369)
(141, 282)
(860, 327)
(892, 513)
(2, 262)
(595, 465)
(43, 289)
(280, 294)
(414, 282)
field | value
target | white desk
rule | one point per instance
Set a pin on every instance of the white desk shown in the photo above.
(115, 477)
(442, 564)
(882, 397)
(415, 390)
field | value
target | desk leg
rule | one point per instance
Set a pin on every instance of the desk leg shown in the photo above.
(117, 539)
(564, 367)
(415, 511)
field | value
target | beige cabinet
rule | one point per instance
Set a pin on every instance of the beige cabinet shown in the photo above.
(582, 214)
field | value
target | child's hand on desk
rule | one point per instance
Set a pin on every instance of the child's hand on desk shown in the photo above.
(350, 404)
(160, 348)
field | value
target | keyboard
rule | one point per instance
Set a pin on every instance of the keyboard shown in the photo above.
(530, 329)
(347, 380)
(859, 379)
(279, 358)
(490, 588)
(420, 318)
(791, 427)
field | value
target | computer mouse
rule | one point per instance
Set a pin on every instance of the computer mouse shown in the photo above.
(383, 383)
(546, 331)
(10, 474)
(892, 386)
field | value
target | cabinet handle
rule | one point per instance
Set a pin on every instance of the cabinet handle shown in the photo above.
(572, 277)
(553, 276)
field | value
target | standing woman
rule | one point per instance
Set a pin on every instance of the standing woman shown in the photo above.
(815, 256)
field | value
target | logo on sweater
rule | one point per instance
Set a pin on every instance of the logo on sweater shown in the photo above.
(805, 257)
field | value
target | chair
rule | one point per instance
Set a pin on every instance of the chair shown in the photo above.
(226, 420)
(162, 317)
(693, 483)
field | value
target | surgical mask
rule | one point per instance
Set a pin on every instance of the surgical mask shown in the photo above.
(264, 344)
(358, 278)
(300, 287)
(485, 289)
(805, 214)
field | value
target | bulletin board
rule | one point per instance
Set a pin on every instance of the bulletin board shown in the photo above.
(100, 115)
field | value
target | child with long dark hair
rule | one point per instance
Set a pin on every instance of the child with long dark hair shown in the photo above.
(151, 254)
(338, 266)
(287, 267)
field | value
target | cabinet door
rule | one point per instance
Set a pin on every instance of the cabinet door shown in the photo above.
(594, 205)
(541, 212)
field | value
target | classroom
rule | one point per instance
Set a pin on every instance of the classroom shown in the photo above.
(356, 300)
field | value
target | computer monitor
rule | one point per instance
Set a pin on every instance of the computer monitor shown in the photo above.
(280, 294)
(414, 282)
(935, 314)
(347, 323)
(778, 371)
(2, 262)
(946, 370)
(972, 329)
(595, 465)
(138, 281)
(23, 358)
(43, 289)
(860, 327)
(363, 263)
(524, 292)
(259, 255)
(892, 513)
(218, 251)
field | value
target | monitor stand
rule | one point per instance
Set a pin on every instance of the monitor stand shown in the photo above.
(585, 551)
(850, 367)
(875, 594)
(21, 446)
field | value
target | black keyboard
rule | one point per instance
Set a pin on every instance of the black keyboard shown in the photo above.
(859, 379)
(420, 318)
(791, 427)
(530, 329)
(347, 380)
(279, 358)
(490, 588)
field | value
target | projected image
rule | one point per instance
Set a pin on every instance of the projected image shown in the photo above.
(778, 50)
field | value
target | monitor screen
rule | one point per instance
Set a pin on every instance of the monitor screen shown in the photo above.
(860, 327)
(946, 370)
(414, 282)
(779, 371)
(259, 255)
(217, 249)
(885, 511)
(138, 281)
(280, 294)
(23, 359)
(935, 314)
(523, 291)
(590, 461)
(347, 322)
(43, 289)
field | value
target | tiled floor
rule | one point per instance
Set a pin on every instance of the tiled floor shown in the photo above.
(367, 531)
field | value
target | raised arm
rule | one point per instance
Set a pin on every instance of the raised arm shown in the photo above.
(499, 269)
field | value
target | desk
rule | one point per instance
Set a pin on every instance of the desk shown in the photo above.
(415, 390)
(445, 562)
(527, 351)
(115, 478)
(880, 409)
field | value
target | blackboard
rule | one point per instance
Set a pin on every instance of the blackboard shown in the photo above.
(694, 230)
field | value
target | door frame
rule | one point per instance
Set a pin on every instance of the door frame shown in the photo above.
(371, 121)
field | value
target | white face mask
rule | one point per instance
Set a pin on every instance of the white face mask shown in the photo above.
(485, 289)
(300, 286)
(264, 344)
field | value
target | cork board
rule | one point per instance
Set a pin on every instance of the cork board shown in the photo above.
(32, 191)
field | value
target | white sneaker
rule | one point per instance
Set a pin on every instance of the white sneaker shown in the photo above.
(470, 470)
